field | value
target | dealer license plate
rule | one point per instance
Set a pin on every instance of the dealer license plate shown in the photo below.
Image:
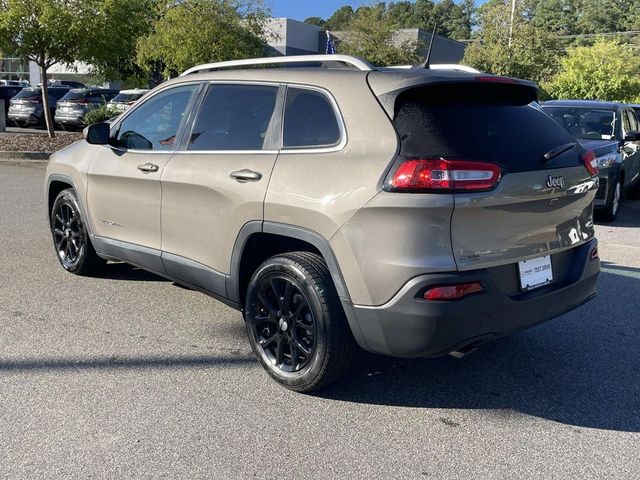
(535, 273)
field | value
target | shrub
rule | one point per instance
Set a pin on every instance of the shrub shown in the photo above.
(101, 114)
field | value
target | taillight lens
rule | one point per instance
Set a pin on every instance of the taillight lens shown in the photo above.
(32, 99)
(590, 162)
(452, 292)
(442, 175)
(82, 101)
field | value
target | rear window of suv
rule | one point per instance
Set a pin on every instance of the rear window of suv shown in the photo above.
(489, 123)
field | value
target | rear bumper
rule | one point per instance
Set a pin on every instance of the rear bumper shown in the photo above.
(25, 117)
(409, 326)
(69, 119)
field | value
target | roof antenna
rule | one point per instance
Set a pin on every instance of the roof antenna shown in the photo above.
(427, 61)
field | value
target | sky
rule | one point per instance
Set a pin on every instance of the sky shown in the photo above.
(301, 9)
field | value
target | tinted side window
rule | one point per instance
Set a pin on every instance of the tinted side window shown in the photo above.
(234, 117)
(154, 124)
(309, 120)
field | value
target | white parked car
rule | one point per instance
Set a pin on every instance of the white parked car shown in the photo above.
(126, 98)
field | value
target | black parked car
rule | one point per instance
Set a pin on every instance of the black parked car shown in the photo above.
(612, 131)
(26, 107)
(77, 102)
(6, 94)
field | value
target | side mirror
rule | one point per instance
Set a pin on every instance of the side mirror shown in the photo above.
(632, 136)
(97, 134)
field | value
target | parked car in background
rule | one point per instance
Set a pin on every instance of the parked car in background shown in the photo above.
(612, 131)
(66, 83)
(7, 93)
(77, 102)
(126, 98)
(26, 107)
(413, 212)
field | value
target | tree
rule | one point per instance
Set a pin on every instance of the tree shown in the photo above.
(370, 35)
(49, 32)
(340, 19)
(607, 70)
(317, 21)
(193, 32)
(402, 14)
(531, 55)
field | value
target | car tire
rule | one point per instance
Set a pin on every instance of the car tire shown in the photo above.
(610, 211)
(70, 237)
(295, 322)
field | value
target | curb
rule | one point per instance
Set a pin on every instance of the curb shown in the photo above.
(24, 156)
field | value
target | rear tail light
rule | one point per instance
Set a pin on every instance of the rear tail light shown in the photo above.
(590, 162)
(82, 101)
(452, 292)
(442, 175)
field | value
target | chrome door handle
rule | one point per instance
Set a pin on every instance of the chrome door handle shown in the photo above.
(148, 168)
(246, 175)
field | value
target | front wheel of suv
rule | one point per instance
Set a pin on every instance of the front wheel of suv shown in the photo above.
(70, 237)
(295, 323)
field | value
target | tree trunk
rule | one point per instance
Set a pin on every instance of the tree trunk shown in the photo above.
(48, 118)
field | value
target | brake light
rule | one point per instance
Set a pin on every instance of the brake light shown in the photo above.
(82, 101)
(491, 79)
(452, 292)
(590, 162)
(442, 175)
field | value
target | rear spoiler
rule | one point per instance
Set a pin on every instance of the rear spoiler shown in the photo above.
(388, 85)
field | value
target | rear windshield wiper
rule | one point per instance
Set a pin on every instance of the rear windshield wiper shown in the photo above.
(554, 152)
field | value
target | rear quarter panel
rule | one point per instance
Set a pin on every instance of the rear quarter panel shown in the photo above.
(321, 191)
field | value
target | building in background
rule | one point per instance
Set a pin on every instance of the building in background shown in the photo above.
(292, 37)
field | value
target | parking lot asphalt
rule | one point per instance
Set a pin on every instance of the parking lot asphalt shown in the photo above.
(131, 376)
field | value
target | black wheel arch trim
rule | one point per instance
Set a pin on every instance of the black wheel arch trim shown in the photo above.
(285, 230)
(305, 235)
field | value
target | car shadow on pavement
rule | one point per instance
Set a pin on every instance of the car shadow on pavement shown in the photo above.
(582, 369)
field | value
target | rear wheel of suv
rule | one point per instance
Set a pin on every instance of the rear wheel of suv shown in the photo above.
(70, 237)
(295, 322)
(610, 212)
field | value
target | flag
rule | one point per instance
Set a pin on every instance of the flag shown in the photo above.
(331, 48)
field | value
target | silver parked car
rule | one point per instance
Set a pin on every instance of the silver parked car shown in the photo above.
(72, 108)
(126, 98)
(407, 212)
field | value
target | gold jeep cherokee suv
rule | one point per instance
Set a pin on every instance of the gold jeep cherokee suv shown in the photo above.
(410, 212)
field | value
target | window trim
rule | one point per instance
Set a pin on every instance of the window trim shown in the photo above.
(276, 122)
(115, 128)
(342, 142)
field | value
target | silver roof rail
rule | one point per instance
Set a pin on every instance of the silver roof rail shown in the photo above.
(354, 62)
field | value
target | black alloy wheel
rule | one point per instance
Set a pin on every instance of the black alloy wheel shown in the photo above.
(296, 324)
(283, 323)
(70, 238)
